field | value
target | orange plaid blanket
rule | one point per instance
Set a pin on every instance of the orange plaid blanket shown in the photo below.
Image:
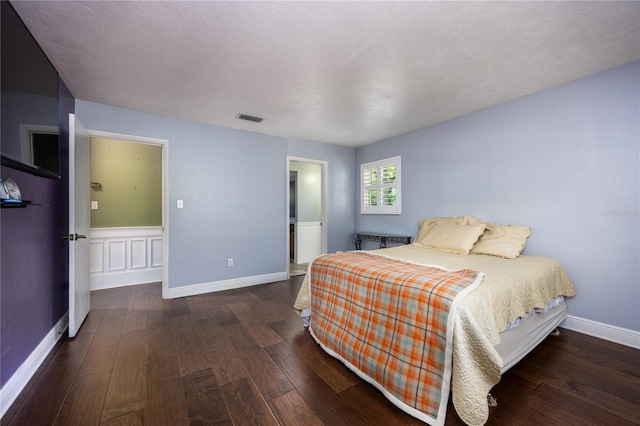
(389, 321)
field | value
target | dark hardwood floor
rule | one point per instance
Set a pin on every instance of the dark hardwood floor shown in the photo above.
(241, 357)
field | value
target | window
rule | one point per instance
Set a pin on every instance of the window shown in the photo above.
(380, 185)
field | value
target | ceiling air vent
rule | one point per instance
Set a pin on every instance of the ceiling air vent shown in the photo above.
(248, 117)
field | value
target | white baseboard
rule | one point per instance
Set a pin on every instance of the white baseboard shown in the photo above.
(210, 287)
(612, 333)
(113, 280)
(23, 374)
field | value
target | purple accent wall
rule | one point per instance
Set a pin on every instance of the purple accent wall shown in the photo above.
(34, 275)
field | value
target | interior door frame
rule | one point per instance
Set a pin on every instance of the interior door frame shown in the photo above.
(323, 204)
(164, 144)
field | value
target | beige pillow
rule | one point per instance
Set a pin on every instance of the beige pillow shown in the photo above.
(470, 220)
(451, 237)
(506, 241)
(425, 224)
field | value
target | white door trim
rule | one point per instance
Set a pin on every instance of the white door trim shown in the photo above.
(324, 176)
(164, 143)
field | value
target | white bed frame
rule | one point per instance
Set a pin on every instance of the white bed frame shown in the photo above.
(517, 342)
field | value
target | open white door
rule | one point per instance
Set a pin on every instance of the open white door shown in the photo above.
(79, 203)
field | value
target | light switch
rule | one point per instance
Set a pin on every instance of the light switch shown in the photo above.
(94, 205)
(180, 204)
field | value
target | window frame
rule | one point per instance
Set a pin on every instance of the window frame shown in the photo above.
(378, 165)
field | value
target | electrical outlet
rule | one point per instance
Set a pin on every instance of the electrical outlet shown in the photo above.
(230, 261)
(180, 204)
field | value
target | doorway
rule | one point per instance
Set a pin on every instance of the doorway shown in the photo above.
(306, 212)
(128, 215)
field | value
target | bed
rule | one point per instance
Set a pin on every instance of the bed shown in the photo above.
(502, 305)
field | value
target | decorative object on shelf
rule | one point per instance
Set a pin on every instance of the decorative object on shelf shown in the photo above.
(9, 189)
(10, 195)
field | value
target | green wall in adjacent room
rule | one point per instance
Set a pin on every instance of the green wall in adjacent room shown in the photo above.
(130, 177)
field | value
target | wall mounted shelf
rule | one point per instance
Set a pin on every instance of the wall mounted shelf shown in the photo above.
(7, 203)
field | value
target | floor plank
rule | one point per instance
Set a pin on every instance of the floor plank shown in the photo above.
(165, 402)
(240, 338)
(572, 404)
(225, 316)
(328, 405)
(137, 319)
(371, 405)
(265, 374)
(127, 387)
(603, 387)
(190, 357)
(102, 352)
(246, 405)
(292, 409)
(205, 402)
(83, 405)
(119, 303)
(134, 418)
(92, 321)
(215, 344)
(330, 369)
(287, 312)
(230, 370)
(255, 322)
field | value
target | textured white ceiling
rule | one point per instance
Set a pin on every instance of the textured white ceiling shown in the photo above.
(348, 73)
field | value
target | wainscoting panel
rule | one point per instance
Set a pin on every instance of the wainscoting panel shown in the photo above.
(308, 243)
(117, 256)
(125, 256)
(138, 253)
(156, 252)
(96, 256)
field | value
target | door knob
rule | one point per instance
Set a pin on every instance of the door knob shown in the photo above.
(73, 237)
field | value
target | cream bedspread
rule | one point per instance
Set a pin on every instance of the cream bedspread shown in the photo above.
(510, 289)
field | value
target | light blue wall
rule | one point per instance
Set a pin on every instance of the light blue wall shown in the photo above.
(564, 162)
(233, 184)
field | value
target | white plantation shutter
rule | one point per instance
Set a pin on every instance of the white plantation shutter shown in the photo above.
(380, 187)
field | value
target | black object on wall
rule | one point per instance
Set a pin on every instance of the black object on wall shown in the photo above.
(30, 126)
